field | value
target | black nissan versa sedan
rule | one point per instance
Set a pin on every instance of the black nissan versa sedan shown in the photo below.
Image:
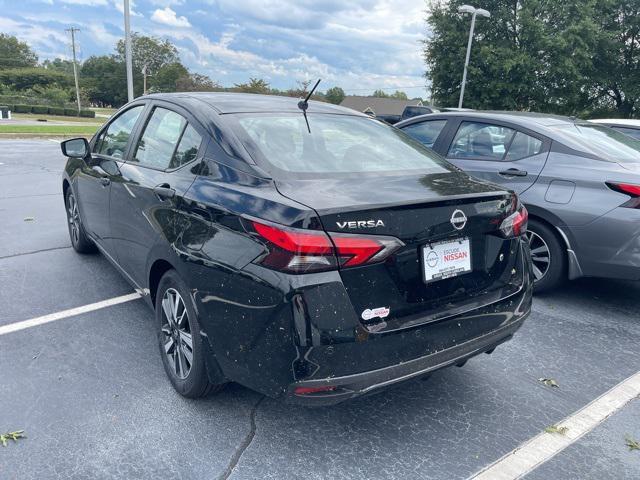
(298, 248)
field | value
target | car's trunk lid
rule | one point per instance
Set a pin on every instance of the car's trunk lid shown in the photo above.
(418, 210)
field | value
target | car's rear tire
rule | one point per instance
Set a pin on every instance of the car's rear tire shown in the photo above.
(79, 239)
(181, 346)
(548, 257)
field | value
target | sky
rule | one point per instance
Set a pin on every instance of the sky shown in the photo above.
(359, 45)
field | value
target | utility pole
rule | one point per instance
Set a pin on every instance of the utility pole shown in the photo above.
(127, 50)
(73, 31)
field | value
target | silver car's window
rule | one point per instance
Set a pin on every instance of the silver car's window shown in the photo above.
(336, 144)
(113, 142)
(481, 141)
(426, 132)
(632, 132)
(158, 143)
(598, 140)
(523, 146)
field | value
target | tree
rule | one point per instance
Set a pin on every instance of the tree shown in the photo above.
(104, 79)
(59, 65)
(196, 82)
(167, 77)
(151, 52)
(255, 85)
(399, 95)
(380, 94)
(25, 78)
(533, 55)
(335, 95)
(15, 54)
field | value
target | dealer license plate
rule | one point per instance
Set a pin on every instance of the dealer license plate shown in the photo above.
(446, 259)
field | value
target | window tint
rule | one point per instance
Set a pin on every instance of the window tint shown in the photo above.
(337, 144)
(426, 132)
(523, 146)
(632, 132)
(158, 142)
(187, 148)
(113, 141)
(598, 140)
(480, 140)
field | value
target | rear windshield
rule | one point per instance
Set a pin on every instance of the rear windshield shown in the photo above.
(601, 141)
(337, 144)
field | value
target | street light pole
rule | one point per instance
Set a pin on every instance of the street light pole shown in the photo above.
(127, 50)
(73, 31)
(474, 12)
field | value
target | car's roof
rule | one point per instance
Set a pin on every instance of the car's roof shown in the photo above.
(224, 102)
(526, 119)
(623, 122)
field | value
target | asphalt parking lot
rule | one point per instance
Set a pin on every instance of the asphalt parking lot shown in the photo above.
(90, 392)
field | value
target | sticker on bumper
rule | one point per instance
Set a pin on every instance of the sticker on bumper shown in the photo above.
(380, 312)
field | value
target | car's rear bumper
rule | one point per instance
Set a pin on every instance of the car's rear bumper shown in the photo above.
(363, 383)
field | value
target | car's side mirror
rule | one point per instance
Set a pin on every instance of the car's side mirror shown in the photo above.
(75, 148)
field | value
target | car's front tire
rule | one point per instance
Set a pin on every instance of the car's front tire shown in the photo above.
(79, 239)
(181, 345)
(548, 258)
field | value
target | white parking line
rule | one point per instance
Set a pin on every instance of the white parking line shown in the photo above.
(54, 140)
(544, 446)
(53, 317)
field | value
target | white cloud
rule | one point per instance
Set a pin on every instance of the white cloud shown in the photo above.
(167, 16)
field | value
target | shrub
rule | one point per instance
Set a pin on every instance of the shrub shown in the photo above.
(56, 110)
(22, 108)
(88, 113)
(40, 109)
(71, 112)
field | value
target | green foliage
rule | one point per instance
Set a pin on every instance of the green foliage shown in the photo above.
(571, 57)
(87, 113)
(335, 95)
(26, 78)
(195, 82)
(22, 108)
(380, 94)
(59, 65)
(166, 79)
(152, 52)
(71, 112)
(255, 85)
(15, 54)
(104, 79)
(56, 111)
(40, 109)
(15, 436)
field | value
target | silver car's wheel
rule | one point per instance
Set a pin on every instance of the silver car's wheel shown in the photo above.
(177, 340)
(540, 255)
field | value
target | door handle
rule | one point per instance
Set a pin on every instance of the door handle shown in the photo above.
(105, 181)
(513, 172)
(164, 191)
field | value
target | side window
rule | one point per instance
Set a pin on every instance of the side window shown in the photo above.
(481, 140)
(523, 146)
(160, 138)
(426, 132)
(187, 148)
(632, 132)
(113, 141)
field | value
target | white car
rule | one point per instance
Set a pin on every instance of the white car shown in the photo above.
(627, 126)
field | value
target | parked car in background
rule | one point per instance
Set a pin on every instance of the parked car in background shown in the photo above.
(580, 182)
(303, 250)
(627, 126)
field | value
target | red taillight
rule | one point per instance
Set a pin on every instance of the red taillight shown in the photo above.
(628, 189)
(308, 390)
(515, 224)
(300, 251)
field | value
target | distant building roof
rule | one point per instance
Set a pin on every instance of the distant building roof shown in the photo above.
(378, 105)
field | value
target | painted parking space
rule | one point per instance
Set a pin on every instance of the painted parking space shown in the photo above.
(90, 392)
